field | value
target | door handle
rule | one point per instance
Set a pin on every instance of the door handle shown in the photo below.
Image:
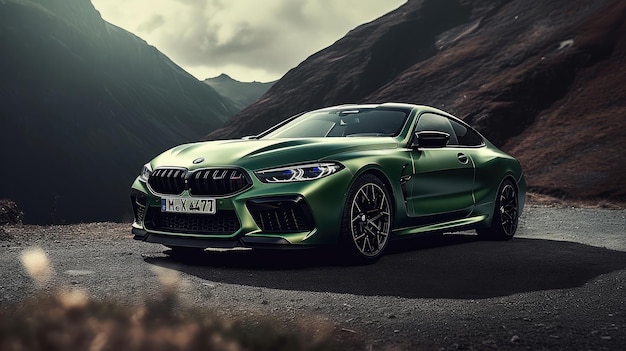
(462, 158)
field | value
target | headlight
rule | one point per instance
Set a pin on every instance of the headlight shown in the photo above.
(298, 173)
(145, 173)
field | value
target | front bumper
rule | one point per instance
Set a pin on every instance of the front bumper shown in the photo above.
(288, 215)
(229, 244)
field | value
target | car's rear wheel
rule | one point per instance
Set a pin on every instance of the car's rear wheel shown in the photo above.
(367, 218)
(505, 214)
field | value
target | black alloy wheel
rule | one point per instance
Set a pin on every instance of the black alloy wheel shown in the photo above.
(367, 219)
(505, 216)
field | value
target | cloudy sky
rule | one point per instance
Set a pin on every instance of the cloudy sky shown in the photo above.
(250, 40)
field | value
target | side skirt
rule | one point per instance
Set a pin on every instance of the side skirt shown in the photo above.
(457, 224)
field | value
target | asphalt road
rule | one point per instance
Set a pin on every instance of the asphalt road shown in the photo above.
(559, 284)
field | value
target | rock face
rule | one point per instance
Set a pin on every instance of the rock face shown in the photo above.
(84, 105)
(10, 213)
(541, 79)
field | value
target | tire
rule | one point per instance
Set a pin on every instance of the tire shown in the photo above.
(505, 214)
(367, 220)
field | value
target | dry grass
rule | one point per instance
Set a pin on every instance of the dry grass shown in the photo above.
(68, 319)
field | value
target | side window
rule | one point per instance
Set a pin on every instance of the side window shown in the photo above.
(431, 121)
(466, 136)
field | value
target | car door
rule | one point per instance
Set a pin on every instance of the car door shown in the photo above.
(441, 185)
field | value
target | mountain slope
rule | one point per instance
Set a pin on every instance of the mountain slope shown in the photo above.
(541, 79)
(84, 105)
(241, 94)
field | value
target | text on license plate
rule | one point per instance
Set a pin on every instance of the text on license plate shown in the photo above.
(180, 205)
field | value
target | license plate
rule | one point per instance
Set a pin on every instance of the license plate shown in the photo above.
(181, 205)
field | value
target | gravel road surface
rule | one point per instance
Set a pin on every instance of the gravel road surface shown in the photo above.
(560, 284)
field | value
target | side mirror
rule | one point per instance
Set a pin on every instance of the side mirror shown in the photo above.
(430, 139)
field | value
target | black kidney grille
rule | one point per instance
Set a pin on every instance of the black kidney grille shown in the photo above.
(204, 182)
(217, 182)
(223, 222)
(168, 180)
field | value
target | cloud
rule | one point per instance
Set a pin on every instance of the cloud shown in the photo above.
(248, 39)
(151, 24)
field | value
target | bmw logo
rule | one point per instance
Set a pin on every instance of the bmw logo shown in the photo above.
(198, 160)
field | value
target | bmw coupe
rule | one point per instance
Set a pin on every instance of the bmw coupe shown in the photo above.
(355, 176)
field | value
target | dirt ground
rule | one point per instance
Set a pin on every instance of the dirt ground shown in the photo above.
(558, 285)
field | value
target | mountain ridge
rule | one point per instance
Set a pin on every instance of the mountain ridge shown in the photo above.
(85, 105)
(501, 66)
(241, 94)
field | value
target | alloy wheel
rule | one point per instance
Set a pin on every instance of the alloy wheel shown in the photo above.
(370, 219)
(508, 209)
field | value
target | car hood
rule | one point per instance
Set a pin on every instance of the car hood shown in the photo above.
(258, 154)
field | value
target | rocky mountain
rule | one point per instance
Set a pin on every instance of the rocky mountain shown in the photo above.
(84, 105)
(542, 79)
(241, 94)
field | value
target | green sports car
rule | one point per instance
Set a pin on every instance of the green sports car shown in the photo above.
(356, 176)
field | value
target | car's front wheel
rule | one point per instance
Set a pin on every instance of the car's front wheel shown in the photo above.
(367, 218)
(505, 214)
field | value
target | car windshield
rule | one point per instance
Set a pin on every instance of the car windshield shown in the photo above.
(342, 123)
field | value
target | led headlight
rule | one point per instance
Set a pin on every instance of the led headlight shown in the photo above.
(145, 173)
(298, 173)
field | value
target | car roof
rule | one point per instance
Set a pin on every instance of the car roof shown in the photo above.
(385, 105)
(399, 105)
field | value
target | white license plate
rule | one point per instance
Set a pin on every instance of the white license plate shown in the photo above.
(187, 205)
